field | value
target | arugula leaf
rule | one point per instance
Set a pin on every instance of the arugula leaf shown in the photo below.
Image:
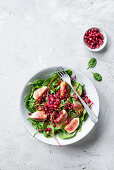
(71, 92)
(46, 82)
(38, 82)
(42, 125)
(52, 128)
(79, 90)
(66, 135)
(57, 88)
(47, 135)
(78, 87)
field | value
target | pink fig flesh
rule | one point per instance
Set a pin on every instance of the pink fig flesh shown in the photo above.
(39, 92)
(72, 126)
(64, 88)
(77, 106)
(62, 117)
(38, 115)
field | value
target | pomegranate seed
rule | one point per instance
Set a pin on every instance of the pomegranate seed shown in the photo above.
(36, 106)
(47, 123)
(88, 101)
(29, 114)
(54, 125)
(46, 129)
(47, 132)
(59, 83)
(39, 130)
(49, 129)
(39, 98)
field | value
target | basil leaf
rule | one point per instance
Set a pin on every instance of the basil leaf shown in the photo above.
(97, 76)
(92, 63)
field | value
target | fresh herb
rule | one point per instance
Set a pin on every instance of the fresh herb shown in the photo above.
(97, 76)
(66, 135)
(92, 63)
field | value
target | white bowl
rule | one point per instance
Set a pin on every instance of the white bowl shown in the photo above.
(86, 127)
(101, 46)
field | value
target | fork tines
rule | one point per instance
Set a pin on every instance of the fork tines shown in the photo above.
(61, 71)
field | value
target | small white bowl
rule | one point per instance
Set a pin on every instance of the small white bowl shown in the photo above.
(101, 46)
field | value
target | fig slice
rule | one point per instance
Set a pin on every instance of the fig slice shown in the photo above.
(62, 117)
(77, 106)
(38, 115)
(39, 92)
(72, 126)
(64, 88)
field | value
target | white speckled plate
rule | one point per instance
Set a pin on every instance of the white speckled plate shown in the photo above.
(86, 127)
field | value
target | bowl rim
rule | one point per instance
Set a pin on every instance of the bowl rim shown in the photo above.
(40, 71)
(101, 46)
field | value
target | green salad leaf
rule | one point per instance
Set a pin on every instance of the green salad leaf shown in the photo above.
(30, 104)
(79, 90)
(37, 82)
(92, 63)
(69, 72)
(97, 76)
(46, 82)
(66, 135)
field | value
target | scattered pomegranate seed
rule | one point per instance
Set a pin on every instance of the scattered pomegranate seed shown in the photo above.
(29, 114)
(39, 130)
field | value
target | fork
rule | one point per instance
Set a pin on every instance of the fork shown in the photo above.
(65, 77)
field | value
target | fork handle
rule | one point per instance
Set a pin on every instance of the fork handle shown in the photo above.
(90, 112)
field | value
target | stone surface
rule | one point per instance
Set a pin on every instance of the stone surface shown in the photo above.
(35, 34)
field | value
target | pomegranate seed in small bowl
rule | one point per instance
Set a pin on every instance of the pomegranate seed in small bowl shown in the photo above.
(95, 39)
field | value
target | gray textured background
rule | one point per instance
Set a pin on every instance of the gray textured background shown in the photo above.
(35, 34)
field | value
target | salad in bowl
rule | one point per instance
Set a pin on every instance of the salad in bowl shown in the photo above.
(53, 107)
